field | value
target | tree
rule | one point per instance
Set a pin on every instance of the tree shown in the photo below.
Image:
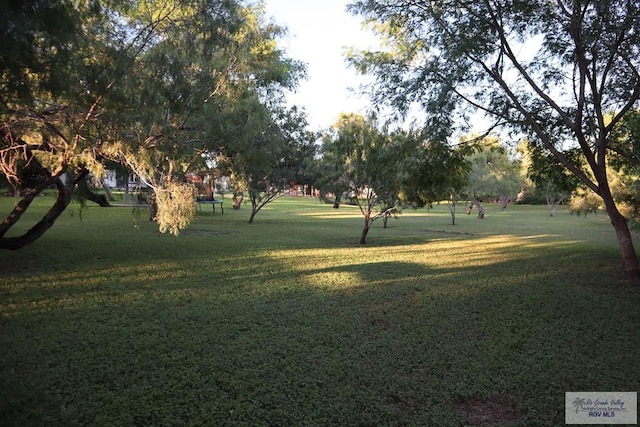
(626, 162)
(454, 177)
(387, 170)
(328, 176)
(277, 148)
(370, 162)
(437, 172)
(454, 55)
(494, 174)
(41, 144)
(231, 121)
(330, 167)
(145, 84)
(550, 178)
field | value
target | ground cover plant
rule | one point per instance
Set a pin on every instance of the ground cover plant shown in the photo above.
(289, 321)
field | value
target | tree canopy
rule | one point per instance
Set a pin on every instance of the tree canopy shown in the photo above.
(494, 173)
(562, 73)
(162, 87)
(386, 169)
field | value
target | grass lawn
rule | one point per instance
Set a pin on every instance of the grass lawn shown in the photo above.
(288, 321)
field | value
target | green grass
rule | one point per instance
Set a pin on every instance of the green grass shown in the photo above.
(288, 321)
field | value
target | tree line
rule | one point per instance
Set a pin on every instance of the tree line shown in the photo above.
(384, 171)
(168, 88)
(161, 88)
(564, 73)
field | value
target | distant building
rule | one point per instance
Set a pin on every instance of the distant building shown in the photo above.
(130, 182)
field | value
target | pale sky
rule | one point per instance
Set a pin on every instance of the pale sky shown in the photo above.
(318, 32)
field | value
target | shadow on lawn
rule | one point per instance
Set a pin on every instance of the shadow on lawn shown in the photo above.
(259, 339)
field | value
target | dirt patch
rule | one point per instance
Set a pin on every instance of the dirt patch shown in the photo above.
(491, 411)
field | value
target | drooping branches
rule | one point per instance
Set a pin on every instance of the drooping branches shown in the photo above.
(148, 85)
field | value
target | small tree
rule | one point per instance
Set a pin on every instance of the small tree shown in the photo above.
(272, 155)
(437, 172)
(370, 162)
(494, 174)
(550, 178)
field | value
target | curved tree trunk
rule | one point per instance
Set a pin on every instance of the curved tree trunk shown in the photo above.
(630, 264)
(253, 215)
(85, 192)
(65, 191)
(106, 188)
(476, 202)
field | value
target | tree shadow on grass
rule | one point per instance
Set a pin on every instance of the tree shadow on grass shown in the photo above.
(383, 342)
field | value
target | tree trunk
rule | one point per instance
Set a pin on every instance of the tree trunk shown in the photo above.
(153, 207)
(630, 264)
(452, 209)
(85, 192)
(504, 201)
(476, 202)
(365, 229)
(254, 211)
(552, 204)
(107, 190)
(336, 202)
(34, 233)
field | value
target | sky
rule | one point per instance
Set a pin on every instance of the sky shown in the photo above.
(319, 30)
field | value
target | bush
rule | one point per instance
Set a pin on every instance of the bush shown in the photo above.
(584, 203)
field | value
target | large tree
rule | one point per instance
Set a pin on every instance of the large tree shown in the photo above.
(149, 84)
(551, 69)
(42, 144)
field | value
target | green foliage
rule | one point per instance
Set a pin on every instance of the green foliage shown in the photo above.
(625, 165)
(584, 202)
(38, 41)
(372, 164)
(272, 157)
(388, 170)
(298, 325)
(625, 143)
(545, 170)
(562, 73)
(159, 87)
(436, 172)
(175, 204)
(494, 173)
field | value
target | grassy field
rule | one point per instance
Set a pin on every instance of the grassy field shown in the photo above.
(288, 321)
